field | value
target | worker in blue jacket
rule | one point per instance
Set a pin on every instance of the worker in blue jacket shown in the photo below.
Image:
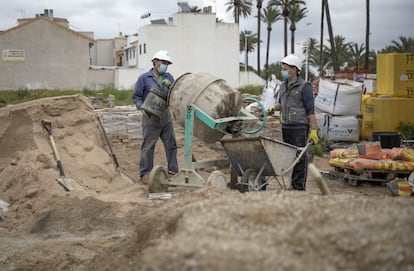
(154, 126)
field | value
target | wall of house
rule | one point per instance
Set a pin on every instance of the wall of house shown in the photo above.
(126, 78)
(250, 79)
(196, 44)
(58, 60)
(103, 53)
(99, 79)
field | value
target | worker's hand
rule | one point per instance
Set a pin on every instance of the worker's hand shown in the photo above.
(145, 113)
(314, 136)
(271, 110)
(166, 83)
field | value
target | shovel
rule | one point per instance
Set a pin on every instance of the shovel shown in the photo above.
(67, 183)
(108, 142)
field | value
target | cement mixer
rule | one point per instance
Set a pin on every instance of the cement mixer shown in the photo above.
(208, 108)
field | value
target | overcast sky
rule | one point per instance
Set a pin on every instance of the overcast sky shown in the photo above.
(390, 19)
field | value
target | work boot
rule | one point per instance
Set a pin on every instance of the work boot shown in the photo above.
(171, 173)
(144, 179)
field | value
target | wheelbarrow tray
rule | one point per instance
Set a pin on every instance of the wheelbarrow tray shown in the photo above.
(276, 156)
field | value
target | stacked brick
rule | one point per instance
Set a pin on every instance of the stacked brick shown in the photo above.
(122, 124)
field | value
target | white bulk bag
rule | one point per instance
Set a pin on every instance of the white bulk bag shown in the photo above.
(338, 128)
(339, 97)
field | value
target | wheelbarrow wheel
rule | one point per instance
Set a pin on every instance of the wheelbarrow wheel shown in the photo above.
(248, 181)
(158, 180)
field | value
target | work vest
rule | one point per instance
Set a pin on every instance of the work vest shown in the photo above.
(293, 110)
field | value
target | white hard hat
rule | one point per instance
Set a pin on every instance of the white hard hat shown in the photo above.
(162, 55)
(292, 60)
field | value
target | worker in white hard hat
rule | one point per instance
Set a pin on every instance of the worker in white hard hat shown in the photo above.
(296, 103)
(154, 126)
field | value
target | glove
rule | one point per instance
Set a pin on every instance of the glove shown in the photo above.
(166, 83)
(314, 136)
(271, 109)
(145, 113)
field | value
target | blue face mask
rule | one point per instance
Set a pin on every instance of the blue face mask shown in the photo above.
(285, 75)
(162, 68)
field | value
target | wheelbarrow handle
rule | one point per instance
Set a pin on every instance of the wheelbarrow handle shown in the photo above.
(302, 152)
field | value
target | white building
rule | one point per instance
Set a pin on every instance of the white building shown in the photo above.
(196, 43)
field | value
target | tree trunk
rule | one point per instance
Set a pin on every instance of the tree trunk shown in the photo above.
(285, 14)
(292, 38)
(285, 36)
(331, 37)
(321, 42)
(259, 7)
(267, 55)
(367, 38)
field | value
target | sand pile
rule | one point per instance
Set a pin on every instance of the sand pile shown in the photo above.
(28, 168)
(113, 226)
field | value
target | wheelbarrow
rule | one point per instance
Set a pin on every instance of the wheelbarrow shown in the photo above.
(257, 159)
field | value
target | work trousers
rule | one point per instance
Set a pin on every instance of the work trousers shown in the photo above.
(151, 131)
(298, 137)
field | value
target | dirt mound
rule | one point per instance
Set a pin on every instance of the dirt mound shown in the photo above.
(113, 226)
(221, 230)
(28, 168)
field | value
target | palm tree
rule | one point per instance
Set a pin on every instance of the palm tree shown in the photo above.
(259, 15)
(296, 14)
(372, 60)
(313, 50)
(239, 7)
(285, 6)
(343, 52)
(269, 17)
(248, 41)
(358, 52)
(405, 45)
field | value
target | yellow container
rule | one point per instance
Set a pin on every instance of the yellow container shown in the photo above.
(367, 110)
(384, 114)
(395, 74)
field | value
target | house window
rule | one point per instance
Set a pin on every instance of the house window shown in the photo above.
(145, 48)
(140, 50)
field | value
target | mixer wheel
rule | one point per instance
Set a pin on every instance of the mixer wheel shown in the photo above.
(158, 180)
(217, 179)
